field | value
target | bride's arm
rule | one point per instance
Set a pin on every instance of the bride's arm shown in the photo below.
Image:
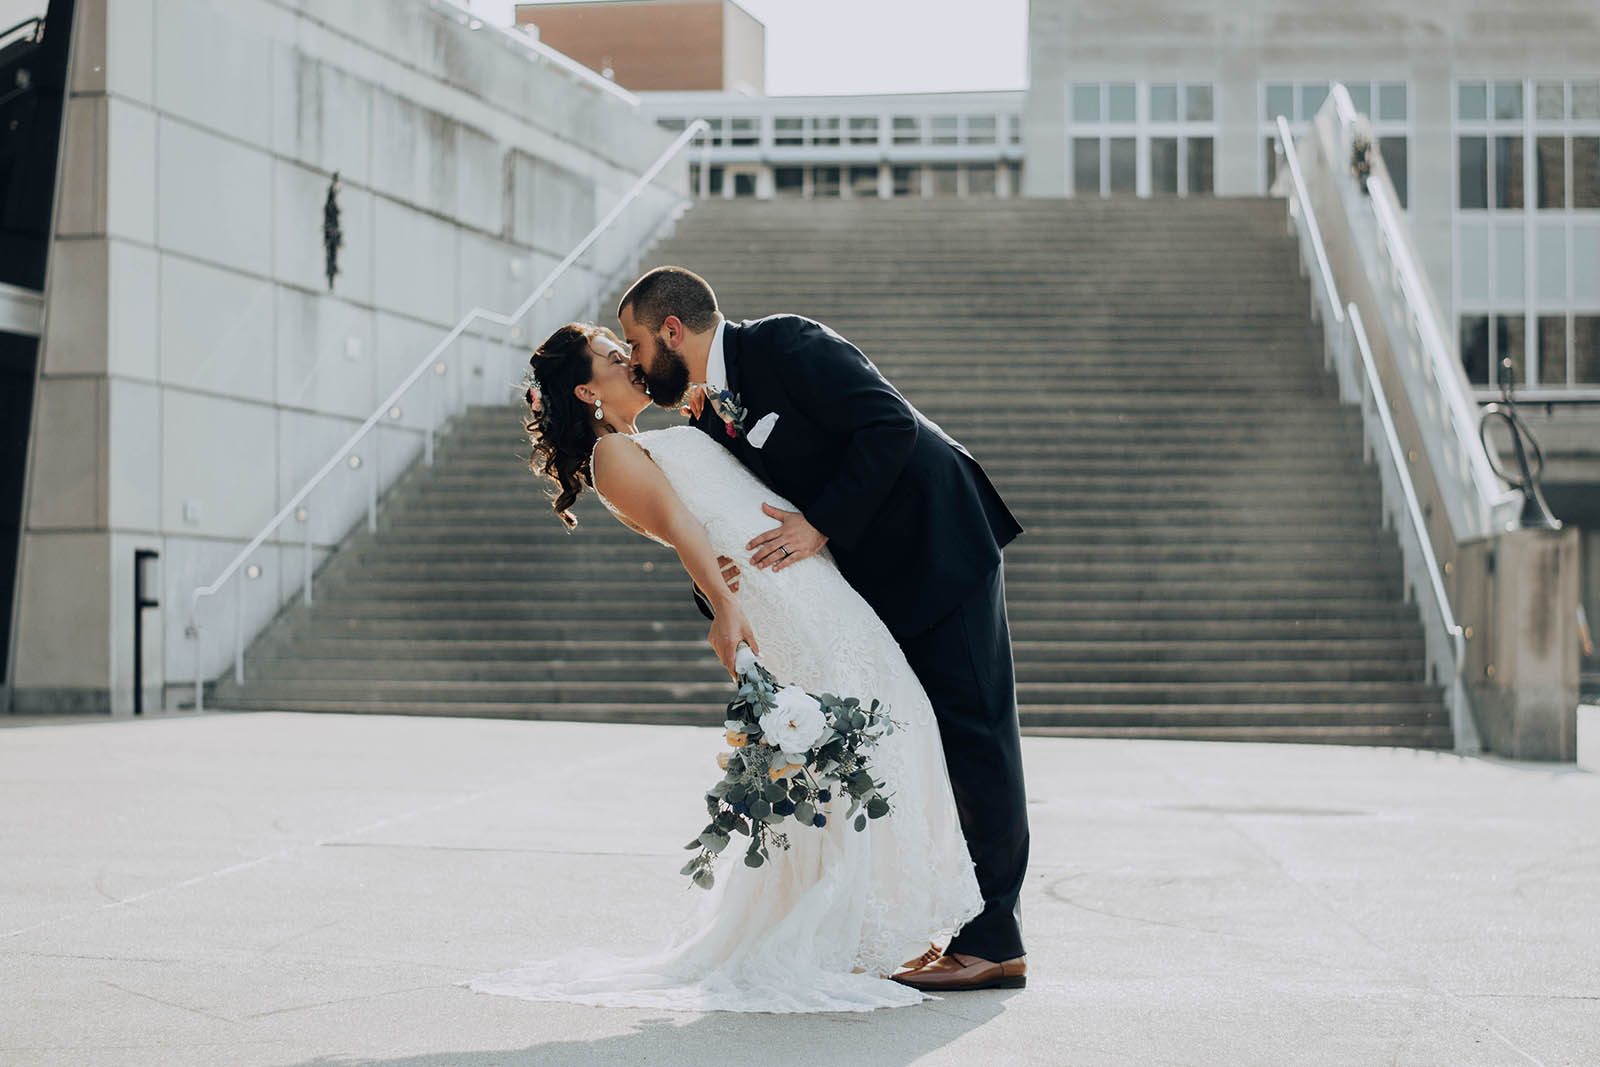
(627, 477)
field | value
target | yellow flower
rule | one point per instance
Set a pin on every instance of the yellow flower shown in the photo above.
(776, 772)
(736, 739)
(723, 758)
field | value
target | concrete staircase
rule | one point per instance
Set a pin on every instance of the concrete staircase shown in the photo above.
(1203, 556)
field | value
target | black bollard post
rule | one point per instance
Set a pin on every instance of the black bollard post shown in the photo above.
(144, 560)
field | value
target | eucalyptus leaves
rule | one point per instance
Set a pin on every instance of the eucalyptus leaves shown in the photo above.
(791, 752)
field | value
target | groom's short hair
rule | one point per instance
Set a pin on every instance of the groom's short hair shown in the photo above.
(671, 291)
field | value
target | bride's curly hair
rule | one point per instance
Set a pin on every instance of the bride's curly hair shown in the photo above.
(559, 425)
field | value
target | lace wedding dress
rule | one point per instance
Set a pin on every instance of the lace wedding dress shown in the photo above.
(814, 929)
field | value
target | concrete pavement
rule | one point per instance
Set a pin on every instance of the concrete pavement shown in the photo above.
(307, 889)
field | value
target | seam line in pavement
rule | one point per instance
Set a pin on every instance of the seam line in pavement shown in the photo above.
(245, 865)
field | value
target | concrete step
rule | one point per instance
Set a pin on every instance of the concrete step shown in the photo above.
(288, 665)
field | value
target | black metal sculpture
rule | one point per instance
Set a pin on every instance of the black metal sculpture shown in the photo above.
(1535, 512)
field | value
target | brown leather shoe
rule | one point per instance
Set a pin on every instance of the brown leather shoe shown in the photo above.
(933, 953)
(955, 972)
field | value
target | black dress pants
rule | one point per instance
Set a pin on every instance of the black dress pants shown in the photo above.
(964, 663)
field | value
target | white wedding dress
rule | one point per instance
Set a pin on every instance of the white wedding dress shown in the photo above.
(814, 929)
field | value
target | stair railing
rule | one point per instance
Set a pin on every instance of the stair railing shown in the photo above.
(1477, 502)
(1347, 352)
(432, 362)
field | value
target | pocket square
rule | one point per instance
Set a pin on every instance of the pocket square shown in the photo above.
(762, 430)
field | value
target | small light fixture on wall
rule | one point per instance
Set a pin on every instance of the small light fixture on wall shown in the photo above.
(332, 235)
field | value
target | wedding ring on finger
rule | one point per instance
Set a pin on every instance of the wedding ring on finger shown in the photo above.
(785, 551)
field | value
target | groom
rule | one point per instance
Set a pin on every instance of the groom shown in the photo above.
(912, 522)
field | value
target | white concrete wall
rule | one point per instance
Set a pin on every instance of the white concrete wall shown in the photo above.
(196, 368)
(1236, 46)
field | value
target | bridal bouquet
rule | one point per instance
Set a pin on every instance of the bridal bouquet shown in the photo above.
(791, 751)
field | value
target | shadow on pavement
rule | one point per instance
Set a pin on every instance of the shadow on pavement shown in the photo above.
(888, 1036)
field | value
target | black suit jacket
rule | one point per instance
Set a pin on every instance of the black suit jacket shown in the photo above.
(911, 518)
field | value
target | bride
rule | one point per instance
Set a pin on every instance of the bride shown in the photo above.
(822, 926)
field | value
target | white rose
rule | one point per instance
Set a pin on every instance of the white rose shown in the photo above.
(796, 723)
(743, 659)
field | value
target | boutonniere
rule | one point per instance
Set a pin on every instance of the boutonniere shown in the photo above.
(731, 410)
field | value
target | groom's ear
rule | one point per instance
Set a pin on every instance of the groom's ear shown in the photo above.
(676, 331)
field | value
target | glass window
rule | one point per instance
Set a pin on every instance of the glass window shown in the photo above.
(675, 125)
(1164, 166)
(980, 180)
(825, 130)
(1508, 100)
(788, 130)
(1311, 98)
(1586, 266)
(1586, 100)
(744, 132)
(1472, 101)
(864, 129)
(946, 179)
(789, 181)
(1474, 176)
(1122, 103)
(714, 181)
(1016, 178)
(1395, 151)
(1392, 105)
(825, 181)
(1123, 164)
(1509, 276)
(714, 134)
(1508, 335)
(1472, 262)
(694, 178)
(1550, 171)
(1274, 160)
(1086, 166)
(1508, 172)
(1197, 104)
(1474, 340)
(744, 184)
(1552, 350)
(1360, 96)
(1550, 100)
(1163, 103)
(1201, 179)
(907, 130)
(863, 181)
(946, 129)
(1550, 262)
(1586, 349)
(980, 129)
(1280, 101)
(1586, 172)
(1086, 103)
(907, 181)
(1014, 124)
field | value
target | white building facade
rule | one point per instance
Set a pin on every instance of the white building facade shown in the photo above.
(1487, 116)
(890, 145)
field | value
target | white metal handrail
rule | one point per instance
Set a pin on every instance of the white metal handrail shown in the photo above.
(477, 314)
(1300, 208)
(1440, 366)
(1344, 331)
(1413, 537)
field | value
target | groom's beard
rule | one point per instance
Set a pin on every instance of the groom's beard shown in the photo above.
(668, 378)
